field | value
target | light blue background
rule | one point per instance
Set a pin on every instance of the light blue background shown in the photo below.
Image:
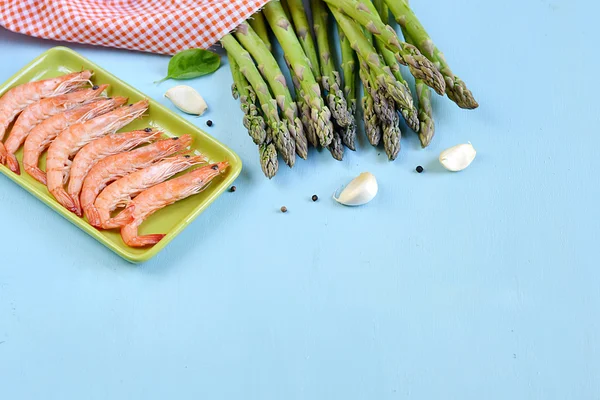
(478, 285)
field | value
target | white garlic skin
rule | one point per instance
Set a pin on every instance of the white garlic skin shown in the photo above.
(187, 99)
(458, 157)
(359, 191)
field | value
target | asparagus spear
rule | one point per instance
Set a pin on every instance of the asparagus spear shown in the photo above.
(268, 158)
(241, 89)
(258, 23)
(369, 55)
(427, 125)
(425, 113)
(372, 127)
(304, 110)
(349, 70)
(387, 116)
(382, 10)
(270, 70)
(320, 115)
(286, 9)
(302, 27)
(330, 77)
(364, 13)
(281, 135)
(336, 147)
(391, 126)
(456, 89)
(383, 105)
(254, 122)
(410, 116)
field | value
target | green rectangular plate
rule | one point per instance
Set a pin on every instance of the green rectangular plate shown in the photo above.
(170, 220)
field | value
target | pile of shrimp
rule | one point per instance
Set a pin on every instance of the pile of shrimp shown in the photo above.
(91, 169)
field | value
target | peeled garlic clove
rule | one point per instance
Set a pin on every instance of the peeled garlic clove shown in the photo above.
(458, 157)
(359, 191)
(187, 99)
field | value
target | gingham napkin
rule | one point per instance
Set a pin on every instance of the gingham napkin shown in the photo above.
(155, 26)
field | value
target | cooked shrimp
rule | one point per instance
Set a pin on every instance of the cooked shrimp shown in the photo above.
(161, 195)
(40, 111)
(97, 150)
(119, 165)
(16, 99)
(71, 140)
(119, 193)
(44, 134)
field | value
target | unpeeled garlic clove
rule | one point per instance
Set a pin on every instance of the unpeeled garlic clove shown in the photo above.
(359, 191)
(187, 99)
(458, 157)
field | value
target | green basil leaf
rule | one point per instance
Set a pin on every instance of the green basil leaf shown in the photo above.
(192, 63)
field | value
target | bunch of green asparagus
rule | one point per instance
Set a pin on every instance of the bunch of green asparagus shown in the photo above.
(321, 109)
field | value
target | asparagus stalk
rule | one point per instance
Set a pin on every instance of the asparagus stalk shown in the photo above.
(320, 115)
(410, 115)
(386, 113)
(372, 122)
(456, 89)
(383, 106)
(268, 158)
(270, 70)
(349, 70)
(372, 127)
(386, 53)
(286, 9)
(336, 147)
(241, 89)
(258, 23)
(427, 125)
(425, 113)
(391, 126)
(279, 130)
(304, 110)
(330, 77)
(364, 13)
(369, 55)
(382, 10)
(254, 122)
(302, 27)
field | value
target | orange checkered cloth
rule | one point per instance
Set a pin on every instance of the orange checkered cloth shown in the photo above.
(163, 27)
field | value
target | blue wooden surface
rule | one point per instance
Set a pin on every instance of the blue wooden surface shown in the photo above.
(478, 285)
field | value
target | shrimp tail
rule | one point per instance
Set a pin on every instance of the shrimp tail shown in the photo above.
(145, 241)
(3, 153)
(129, 234)
(65, 199)
(13, 164)
(93, 216)
(123, 218)
(77, 206)
(37, 174)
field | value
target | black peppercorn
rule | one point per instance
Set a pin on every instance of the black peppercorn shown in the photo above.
(419, 169)
(315, 197)
(284, 209)
(233, 189)
(209, 123)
